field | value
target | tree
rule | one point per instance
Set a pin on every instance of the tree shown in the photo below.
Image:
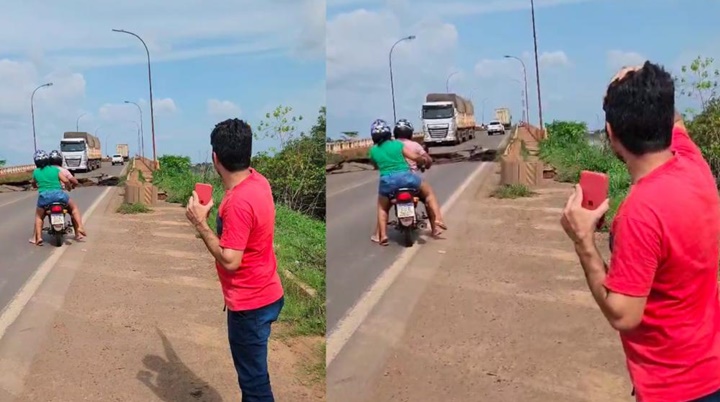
(349, 135)
(297, 170)
(279, 124)
(699, 81)
(2, 162)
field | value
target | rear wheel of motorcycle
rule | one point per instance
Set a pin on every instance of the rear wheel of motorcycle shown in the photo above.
(408, 237)
(58, 239)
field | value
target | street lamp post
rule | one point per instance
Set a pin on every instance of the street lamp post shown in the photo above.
(141, 150)
(522, 99)
(392, 84)
(447, 81)
(32, 110)
(527, 106)
(152, 113)
(77, 122)
(537, 65)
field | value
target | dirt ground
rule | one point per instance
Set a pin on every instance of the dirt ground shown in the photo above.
(143, 321)
(505, 314)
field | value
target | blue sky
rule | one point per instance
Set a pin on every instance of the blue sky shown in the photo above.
(231, 59)
(582, 44)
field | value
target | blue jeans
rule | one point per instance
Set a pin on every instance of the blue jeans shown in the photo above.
(714, 397)
(47, 198)
(395, 181)
(249, 332)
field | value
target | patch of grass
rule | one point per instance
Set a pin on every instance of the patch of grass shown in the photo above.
(315, 368)
(141, 176)
(299, 246)
(512, 191)
(132, 209)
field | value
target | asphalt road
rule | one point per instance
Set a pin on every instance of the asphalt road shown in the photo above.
(19, 258)
(353, 262)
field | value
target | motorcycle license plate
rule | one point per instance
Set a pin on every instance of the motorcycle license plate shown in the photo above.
(57, 219)
(405, 210)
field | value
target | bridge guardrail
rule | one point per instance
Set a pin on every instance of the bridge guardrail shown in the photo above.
(16, 169)
(339, 146)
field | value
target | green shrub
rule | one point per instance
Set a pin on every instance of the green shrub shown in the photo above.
(568, 150)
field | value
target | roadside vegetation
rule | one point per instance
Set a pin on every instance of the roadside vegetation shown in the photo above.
(568, 150)
(512, 191)
(296, 171)
(132, 209)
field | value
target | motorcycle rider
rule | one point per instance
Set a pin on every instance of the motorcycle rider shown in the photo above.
(48, 180)
(403, 132)
(389, 156)
(56, 159)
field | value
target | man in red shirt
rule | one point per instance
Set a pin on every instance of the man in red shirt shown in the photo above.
(244, 255)
(660, 290)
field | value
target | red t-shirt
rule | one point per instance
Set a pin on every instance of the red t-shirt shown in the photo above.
(246, 221)
(665, 247)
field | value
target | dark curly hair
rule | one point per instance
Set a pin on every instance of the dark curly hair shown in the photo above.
(640, 109)
(231, 142)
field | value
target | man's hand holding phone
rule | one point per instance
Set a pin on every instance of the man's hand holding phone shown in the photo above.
(585, 210)
(199, 204)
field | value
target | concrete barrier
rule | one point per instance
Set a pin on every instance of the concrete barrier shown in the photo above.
(520, 163)
(340, 146)
(16, 169)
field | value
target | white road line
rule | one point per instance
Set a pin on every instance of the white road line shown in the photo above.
(26, 196)
(12, 311)
(347, 326)
(356, 185)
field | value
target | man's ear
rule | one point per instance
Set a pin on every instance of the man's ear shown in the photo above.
(609, 131)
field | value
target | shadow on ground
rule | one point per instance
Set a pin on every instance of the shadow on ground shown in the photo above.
(174, 381)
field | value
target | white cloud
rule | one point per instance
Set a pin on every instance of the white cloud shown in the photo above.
(617, 59)
(222, 109)
(557, 58)
(176, 30)
(164, 106)
(358, 45)
(457, 8)
(509, 67)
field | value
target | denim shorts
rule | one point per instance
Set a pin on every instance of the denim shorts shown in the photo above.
(395, 181)
(49, 197)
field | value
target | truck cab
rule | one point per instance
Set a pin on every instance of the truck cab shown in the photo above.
(439, 120)
(75, 156)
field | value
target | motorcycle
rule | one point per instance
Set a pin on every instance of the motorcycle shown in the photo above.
(409, 218)
(60, 223)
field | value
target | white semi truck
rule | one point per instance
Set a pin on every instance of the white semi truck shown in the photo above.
(447, 119)
(81, 152)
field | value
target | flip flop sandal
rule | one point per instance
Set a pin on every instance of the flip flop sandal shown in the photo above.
(384, 242)
(441, 225)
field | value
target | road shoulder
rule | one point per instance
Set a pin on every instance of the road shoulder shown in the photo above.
(498, 311)
(136, 314)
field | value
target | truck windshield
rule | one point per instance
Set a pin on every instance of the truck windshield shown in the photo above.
(437, 112)
(72, 146)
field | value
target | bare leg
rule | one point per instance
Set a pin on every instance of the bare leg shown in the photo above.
(433, 208)
(39, 215)
(77, 219)
(383, 208)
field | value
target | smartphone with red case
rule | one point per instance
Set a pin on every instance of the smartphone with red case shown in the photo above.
(595, 187)
(204, 192)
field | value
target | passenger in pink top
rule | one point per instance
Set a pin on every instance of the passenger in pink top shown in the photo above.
(403, 132)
